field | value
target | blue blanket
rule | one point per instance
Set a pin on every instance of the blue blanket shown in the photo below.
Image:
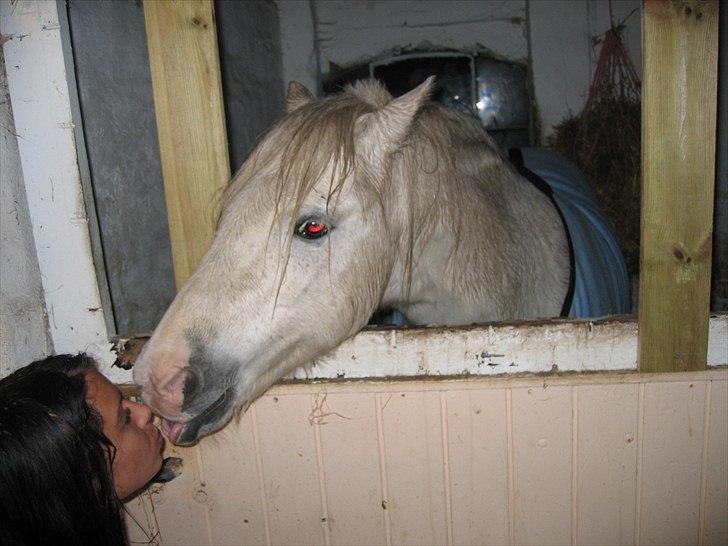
(601, 284)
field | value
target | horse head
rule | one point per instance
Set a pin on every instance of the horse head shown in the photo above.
(305, 250)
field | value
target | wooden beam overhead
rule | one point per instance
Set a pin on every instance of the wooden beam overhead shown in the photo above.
(185, 67)
(679, 96)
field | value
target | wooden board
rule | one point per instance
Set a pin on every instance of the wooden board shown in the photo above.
(680, 57)
(183, 58)
(578, 459)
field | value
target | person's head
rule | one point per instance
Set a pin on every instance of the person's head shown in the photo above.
(71, 447)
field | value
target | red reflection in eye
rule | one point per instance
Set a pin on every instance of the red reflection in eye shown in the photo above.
(311, 229)
(314, 228)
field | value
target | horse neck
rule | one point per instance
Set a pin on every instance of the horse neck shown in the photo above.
(470, 231)
(441, 215)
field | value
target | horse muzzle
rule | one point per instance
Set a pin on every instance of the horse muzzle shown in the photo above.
(210, 419)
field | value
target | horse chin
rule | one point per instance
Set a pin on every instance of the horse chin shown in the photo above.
(214, 417)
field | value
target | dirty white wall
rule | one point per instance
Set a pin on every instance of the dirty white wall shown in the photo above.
(117, 109)
(350, 32)
(23, 325)
(345, 32)
(563, 57)
(298, 43)
(42, 112)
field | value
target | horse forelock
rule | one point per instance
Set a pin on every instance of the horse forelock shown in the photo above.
(318, 142)
(371, 92)
(302, 146)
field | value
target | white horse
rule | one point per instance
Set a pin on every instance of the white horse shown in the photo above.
(350, 204)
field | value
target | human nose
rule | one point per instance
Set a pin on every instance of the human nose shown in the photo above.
(142, 414)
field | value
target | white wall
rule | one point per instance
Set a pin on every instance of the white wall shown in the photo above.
(352, 31)
(23, 324)
(298, 48)
(41, 101)
(346, 32)
(563, 58)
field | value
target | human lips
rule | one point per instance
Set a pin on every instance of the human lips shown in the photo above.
(159, 438)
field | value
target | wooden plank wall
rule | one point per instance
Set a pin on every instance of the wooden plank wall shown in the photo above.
(586, 459)
(679, 97)
(185, 67)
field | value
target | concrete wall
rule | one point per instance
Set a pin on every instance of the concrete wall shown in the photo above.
(117, 107)
(120, 132)
(250, 62)
(345, 33)
(23, 321)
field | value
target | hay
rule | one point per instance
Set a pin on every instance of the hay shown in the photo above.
(604, 141)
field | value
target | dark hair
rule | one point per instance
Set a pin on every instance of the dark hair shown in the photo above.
(56, 485)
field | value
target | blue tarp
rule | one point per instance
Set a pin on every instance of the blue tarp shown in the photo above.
(601, 284)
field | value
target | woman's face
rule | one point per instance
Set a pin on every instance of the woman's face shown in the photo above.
(129, 427)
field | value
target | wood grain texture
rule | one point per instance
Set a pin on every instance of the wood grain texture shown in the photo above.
(679, 93)
(185, 67)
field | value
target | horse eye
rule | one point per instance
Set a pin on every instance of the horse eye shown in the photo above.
(311, 229)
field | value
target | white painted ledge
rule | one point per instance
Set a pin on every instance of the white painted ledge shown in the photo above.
(538, 347)
(490, 350)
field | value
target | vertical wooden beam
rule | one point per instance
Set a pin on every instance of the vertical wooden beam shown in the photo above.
(680, 56)
(185, 67)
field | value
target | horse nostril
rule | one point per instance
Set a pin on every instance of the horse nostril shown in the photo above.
(191, 386)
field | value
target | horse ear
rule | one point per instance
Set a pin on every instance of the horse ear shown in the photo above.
(389, 126)
(298, 95)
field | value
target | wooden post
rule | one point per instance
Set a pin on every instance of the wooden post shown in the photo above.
(185, 67)
(680, 58)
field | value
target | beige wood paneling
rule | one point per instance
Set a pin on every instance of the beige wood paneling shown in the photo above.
(141, 524)
(290, 472)
(672, 447)
(542, 474)
(607, 425)
(587, 459)
(180, 510)
(414, 464)
(351, 462)
(229, 464)
(478, 464)
(714, 523)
